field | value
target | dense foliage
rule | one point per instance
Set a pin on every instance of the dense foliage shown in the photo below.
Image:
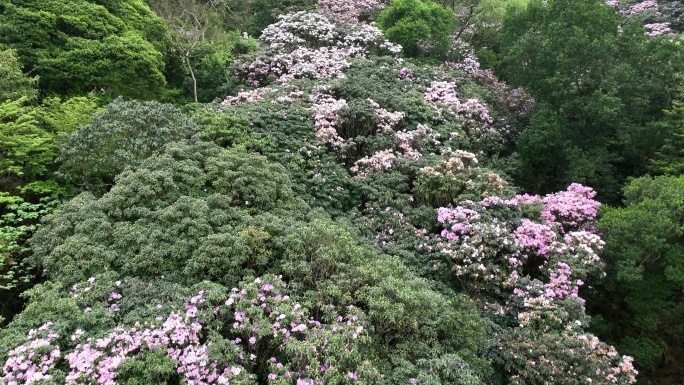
(365, 201)
(78, 46)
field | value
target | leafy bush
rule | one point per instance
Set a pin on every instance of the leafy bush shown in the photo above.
(123, 135)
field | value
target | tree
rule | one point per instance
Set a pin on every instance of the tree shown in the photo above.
(13, 82)
(641, 302)
(79, 45)
(670, 157)
(194, 25)
(422, 28)
(605, 84)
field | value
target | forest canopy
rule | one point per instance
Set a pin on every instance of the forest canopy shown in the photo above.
(336, 192)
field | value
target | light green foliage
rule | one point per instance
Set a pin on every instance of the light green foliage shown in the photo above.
(13, 82)
(65, 115)
(27, 151)
(123, 135)
(17, 224)
(76, 46)
(422, 28)
(645, 283)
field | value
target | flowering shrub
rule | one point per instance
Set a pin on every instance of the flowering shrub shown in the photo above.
(31, 362)
(299, 30)
(540, 265)
(269, 332)
(457, 177)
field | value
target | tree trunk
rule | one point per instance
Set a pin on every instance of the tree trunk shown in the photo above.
(192, 74)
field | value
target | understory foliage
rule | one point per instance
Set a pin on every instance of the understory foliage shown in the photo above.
(345, 215)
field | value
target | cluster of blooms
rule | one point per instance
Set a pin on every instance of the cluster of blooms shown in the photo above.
(534, 239)
(442, 92)
(456, 162)
(471, 243)
(648, 5)
(656, 29)
(349, 10)
(263, 319)
(472, 114)
(406, 139)
(299, 30)
(325, 109)
(366, 38)
(583, 247)
(257, 73)
(381, 160)
(570, 356)
(489, 249)
(386, 120)
(30, 363)
(309, 45)
(463, 57)
(321, 63)
(574, 208)
(513, 98)
(246, 97)
(406, 73)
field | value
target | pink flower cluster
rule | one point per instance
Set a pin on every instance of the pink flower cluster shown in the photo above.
(386, 120)
(442, 92)
(30, 363)
(325, 109)
(656, 29)
(574, 208)
(260, 315)
(535, 239)
(640, 7)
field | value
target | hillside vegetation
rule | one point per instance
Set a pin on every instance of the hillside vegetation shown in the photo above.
(335, 192)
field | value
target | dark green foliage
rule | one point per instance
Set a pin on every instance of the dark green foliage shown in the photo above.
(179, 213)
(598, 84)
(265, 12)
(670, 157)
(422, 28)
(79, 45)
(123, 135)
(642, 295)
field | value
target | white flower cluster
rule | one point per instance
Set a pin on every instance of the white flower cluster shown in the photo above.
(656, 29)
(368, 38)
(321, 63)
(299, 29)
(246, 97)
(381, 160)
